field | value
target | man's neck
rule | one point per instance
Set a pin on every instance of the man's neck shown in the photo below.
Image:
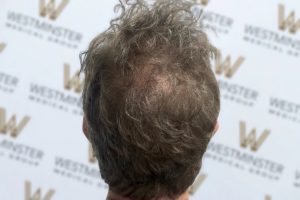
(113, 196)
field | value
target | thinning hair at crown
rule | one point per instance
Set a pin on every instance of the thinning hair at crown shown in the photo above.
(150, 98)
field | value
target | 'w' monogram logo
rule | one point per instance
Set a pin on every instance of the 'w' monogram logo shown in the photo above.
(38, 193)
(2, 47)
(72, 82)
(197, 183)
(50, 9)
(11, 125)
(226, 67)
(250, 139)
(290, 22)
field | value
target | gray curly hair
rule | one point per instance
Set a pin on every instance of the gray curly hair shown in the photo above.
(150, 98)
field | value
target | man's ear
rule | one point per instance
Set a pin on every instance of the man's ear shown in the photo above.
(85, 127)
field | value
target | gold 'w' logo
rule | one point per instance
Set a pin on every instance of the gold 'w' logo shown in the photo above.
(250, 139)
(2, 47)
(289, 22)
(38, 193)
(197, 183)
(226, 67)
(50, 9)
(72, 82)
(92, 157)
(11, 125)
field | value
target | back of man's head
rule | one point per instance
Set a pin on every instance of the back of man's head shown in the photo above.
(150, 99)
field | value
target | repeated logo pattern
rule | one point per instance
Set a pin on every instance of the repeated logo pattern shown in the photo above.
(288, 22)
(50, 9)
(251, 139)
(72, 82)
(10, 125)
(37, 195)
(226, 66)
(256, 70)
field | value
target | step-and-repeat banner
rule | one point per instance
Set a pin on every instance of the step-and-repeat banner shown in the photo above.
(43, 153)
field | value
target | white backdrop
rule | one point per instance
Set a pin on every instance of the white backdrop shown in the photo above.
(46, 156)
